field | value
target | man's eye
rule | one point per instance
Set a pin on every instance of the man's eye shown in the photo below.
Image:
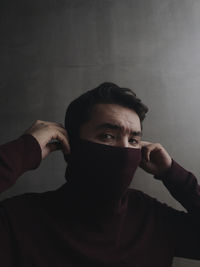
(133, 141)
(107, 136)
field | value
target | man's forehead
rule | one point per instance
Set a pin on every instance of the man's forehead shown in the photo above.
(124, 118)
(113, 110)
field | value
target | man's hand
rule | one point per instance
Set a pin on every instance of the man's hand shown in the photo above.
(45, 132)
(155, 159)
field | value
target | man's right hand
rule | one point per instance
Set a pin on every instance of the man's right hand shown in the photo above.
(44, 132)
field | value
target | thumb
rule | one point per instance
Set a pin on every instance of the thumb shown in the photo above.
(50, 147)
(53, 146)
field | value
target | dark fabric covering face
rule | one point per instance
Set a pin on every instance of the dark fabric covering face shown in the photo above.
(99, 175)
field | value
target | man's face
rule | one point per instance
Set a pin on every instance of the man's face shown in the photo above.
(113, 125)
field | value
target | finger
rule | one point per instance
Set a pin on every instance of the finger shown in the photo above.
(54, 130)
(51, 123)
(61, 130)
(148, 149)
(54, 146)
(145, 153)
(145, 143)
(145, 150)
(59, 142)
(64, 142)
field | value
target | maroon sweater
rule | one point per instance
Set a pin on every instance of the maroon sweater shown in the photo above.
(38, 229)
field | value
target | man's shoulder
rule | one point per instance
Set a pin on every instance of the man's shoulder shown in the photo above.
(139, 195)
(28, 210)
(144, 201)
(31, 200)
(141, 201)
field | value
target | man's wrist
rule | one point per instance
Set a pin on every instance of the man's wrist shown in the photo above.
(32, 151)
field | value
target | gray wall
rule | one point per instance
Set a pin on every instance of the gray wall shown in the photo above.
(51, 51)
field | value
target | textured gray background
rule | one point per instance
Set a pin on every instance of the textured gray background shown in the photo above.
(52, 51)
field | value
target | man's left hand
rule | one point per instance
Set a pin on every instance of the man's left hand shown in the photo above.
(155, 159)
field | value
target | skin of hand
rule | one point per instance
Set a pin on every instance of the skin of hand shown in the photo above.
(44, 132)
(155, 159)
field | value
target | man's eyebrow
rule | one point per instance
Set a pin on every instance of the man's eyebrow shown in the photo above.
(113, 126)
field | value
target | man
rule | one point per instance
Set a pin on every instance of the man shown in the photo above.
(94, 219)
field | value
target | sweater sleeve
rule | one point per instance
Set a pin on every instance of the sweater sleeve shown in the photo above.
(17, 157)
(185, 226)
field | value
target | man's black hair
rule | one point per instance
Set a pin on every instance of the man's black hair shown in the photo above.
(80, 109)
